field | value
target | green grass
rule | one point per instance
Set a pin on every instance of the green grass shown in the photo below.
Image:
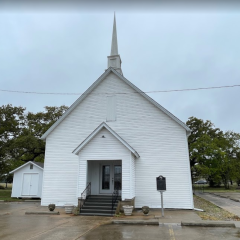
(5, 194)
(206, 188)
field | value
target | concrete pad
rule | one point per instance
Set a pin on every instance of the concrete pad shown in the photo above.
(208, 224)
(138, 222)
(42, 213)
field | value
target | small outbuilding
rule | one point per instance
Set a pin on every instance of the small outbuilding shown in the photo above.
(27, 180)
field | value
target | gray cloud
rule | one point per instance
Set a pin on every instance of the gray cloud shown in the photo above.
(48, 51)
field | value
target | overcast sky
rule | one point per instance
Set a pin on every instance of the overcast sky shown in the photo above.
(66, 51)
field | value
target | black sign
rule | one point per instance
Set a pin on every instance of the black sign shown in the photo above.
(161, 183)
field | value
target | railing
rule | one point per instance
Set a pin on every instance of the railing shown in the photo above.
(85, 195)
(115, 196)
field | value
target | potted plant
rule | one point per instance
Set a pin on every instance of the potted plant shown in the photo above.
(51, 207)
(127, 210)
(68, 208)
(145, 210)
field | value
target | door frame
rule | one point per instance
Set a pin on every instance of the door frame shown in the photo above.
(111, 164)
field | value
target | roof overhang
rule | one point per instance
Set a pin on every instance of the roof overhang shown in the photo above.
(96, 131)
(30, 162)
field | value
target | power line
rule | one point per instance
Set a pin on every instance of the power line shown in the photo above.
(157, 91)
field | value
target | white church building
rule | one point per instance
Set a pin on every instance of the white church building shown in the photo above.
(117, 141)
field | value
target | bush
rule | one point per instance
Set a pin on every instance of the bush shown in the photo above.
(2, 187)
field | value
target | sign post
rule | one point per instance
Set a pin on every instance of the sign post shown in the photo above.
(162, 203)
(161, 187)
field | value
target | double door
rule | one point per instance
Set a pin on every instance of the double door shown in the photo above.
(30, 184)
(110, 178)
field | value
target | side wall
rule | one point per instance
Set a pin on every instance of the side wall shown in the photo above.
(18, 181)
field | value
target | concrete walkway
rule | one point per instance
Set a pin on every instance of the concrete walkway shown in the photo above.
(225, 203)
(15, 224)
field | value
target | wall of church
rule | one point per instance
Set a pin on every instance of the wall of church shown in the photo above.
(159, 140)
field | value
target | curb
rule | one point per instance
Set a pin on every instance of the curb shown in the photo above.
(42, 213)
(31, 200)
(208, 224)
(139, 222)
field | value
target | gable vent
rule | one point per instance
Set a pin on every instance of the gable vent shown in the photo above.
(111, 108)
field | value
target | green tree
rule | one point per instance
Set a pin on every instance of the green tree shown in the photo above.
(12, 121)
(20, 135)
(29, 146)
(213, 154)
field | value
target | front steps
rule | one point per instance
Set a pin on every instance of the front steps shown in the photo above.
(99, 205)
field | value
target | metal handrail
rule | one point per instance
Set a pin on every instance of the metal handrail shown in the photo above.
(115, 196)
(85, 194)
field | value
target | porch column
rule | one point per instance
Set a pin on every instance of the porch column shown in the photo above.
(82, 179)
(126, 178)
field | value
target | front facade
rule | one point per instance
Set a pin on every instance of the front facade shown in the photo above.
(116, 140)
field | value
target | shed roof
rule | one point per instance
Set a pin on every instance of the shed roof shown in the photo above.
(96, 131)
(95, 84)
(37, 164)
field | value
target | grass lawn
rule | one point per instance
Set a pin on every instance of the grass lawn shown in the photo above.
(212, 212)
(5, 194)
(206, 188)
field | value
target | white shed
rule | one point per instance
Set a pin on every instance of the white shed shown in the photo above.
(27, 180)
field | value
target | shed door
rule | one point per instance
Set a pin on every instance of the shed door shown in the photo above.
(30, 184)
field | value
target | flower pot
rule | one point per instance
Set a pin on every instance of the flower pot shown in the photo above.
(51, 207)
(128, 210)
(68, 208)
(145, 210)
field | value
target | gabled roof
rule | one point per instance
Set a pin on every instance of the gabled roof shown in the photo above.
(96, 131)
(95, 84)
(37, 164)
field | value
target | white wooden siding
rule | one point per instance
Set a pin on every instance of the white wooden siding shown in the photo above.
(18, 178)
(160, 142)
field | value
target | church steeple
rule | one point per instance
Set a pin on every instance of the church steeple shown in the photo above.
(114, 49)
(114, 59)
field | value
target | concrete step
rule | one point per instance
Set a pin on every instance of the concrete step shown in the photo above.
(99, 201)
(104, 211)
(99, 207)
(96, 214)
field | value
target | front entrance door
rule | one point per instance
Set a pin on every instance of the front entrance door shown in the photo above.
(110, 178)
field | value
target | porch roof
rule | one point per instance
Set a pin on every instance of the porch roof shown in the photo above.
(96, 131)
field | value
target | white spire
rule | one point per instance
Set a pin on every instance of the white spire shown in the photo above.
(114, 48)
(114, 59)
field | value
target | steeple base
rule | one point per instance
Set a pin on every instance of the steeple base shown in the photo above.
(114, 61)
